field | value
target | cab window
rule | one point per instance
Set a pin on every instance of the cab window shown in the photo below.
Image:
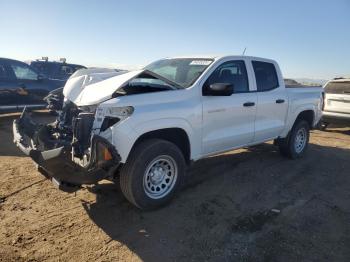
(232, 72)
(265, 75)
(44, 68)
(66, 70)
(23, 71)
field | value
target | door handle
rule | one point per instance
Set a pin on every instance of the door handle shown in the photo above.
(246, 104)
(279, 101)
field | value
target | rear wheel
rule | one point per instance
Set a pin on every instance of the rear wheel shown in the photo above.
(295, 144)
(153, 173)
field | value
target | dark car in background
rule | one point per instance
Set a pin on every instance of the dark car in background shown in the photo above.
(57, 70)
(22, 85)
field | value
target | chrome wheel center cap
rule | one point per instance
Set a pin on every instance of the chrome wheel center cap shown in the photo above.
(157, 175)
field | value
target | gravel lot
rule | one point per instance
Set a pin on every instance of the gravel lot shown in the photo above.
(223, 213)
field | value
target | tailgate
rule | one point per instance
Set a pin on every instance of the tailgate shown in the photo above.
(339, 103)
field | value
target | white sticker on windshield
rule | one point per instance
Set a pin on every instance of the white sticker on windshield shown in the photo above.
(200, 62)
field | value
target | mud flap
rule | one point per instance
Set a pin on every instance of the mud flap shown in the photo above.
(56, 162)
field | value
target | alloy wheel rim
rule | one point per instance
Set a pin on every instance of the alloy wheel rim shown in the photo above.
(160, 177)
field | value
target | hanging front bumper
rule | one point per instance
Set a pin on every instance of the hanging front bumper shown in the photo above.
(56, 160)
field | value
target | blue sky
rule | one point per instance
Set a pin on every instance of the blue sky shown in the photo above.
(308, 38)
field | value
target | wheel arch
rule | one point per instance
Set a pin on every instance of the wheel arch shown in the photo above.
(175, 135)
(307, 115)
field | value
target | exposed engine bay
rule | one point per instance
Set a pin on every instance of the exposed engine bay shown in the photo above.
(73, 126)
(66, 150)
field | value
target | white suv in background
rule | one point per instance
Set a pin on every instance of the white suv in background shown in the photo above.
(337, 102)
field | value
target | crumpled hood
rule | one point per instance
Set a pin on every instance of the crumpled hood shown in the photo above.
(94, 88)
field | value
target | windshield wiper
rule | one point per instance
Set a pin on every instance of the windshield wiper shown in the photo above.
(118, 93)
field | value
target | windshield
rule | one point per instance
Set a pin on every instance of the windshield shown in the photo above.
(182, 71)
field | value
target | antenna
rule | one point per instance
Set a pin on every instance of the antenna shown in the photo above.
(244, 50)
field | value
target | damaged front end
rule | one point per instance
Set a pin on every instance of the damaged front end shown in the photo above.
(66, 151)
(73, 150)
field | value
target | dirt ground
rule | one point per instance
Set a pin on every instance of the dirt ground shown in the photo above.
(222, 214)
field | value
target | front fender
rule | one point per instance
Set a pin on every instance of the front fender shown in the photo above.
(130, 134)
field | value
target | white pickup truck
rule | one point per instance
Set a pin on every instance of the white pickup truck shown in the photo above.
(144, 127)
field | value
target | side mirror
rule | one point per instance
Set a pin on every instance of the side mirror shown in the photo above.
(219, 89)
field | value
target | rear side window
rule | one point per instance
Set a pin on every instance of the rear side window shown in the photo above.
(44, 68)
(232, 72)
(265, 75)
(66, 70)
(337, 87)
(75, 68)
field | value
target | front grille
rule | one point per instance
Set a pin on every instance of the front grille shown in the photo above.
(82, 126)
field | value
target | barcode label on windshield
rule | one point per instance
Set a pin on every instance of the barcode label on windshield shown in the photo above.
(200, 62)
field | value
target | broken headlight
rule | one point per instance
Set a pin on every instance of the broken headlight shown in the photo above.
(112, 115)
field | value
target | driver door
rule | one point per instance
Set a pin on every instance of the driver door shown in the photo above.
(228, 121)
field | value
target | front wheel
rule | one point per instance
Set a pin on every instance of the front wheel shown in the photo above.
(153, 173)
(295, 144)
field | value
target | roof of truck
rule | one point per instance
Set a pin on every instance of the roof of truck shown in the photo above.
(217, 57)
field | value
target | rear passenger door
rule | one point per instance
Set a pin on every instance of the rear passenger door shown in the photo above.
(272, 102)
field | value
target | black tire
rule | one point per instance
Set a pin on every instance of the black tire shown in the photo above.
(133, 172)
(287, 145)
